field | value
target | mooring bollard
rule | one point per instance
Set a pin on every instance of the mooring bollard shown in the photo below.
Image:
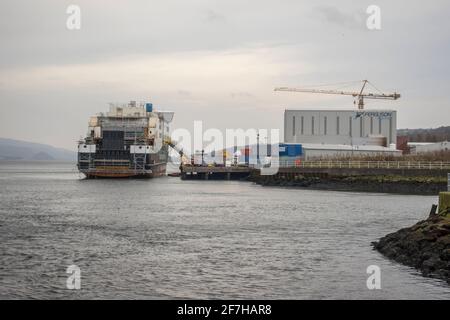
(433, 210)
(444, 199)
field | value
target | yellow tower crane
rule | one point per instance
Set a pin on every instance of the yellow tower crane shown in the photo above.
(360, 96)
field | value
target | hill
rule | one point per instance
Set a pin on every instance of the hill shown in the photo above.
(22, 150)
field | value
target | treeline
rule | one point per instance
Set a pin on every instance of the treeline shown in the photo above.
(426, 135)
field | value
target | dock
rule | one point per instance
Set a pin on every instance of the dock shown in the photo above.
(321, 169)
(215, 172)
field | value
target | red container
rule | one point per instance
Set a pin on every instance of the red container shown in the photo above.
(245, 152)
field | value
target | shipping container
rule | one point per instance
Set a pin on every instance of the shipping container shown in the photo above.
(245, 151)
(290, 150)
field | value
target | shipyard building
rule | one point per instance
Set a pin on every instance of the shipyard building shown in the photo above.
(337, 133)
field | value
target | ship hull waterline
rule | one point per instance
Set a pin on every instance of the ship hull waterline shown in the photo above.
(111, 173)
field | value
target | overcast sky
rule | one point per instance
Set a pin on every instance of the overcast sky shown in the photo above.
(216, 61)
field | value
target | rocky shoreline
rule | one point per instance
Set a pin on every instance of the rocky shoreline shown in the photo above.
(382, 184)
(424, 246)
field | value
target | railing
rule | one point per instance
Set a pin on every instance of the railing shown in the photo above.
(423, 165)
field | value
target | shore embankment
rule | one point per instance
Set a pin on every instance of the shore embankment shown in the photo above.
(424, 246)
(400, 184)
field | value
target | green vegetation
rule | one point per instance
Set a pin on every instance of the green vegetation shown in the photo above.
(394, 179)
(428, 157)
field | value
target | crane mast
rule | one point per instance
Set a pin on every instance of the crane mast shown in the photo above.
(358, 95)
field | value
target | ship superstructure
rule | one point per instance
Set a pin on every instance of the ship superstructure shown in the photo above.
(127, 141)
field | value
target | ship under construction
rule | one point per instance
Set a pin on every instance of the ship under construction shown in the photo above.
(126, 142)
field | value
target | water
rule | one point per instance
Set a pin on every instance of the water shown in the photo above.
(167, 238)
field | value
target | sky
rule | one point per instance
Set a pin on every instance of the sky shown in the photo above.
(215, 61)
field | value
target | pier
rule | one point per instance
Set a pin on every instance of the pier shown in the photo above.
(215, 172)
(369, 176)
(322, 169)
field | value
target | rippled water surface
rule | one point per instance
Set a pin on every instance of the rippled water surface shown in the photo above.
(167, 238)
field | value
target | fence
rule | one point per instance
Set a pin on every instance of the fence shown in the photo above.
(440, 165)
(448, 182)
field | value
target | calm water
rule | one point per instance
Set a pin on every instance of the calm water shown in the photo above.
(167, 238)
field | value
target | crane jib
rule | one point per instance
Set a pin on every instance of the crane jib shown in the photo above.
(360, 96)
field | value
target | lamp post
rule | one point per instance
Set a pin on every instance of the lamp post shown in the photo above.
(257, 149)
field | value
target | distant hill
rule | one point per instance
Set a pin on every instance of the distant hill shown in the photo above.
(426, 135)
(21, 150)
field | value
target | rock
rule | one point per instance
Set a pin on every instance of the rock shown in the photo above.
(425, 246)
(445, 255)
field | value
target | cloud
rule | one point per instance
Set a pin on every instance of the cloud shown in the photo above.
(196, 71)
(239, 95)
(184, 93)
(213, 16)
(214, 60)
(336, 16)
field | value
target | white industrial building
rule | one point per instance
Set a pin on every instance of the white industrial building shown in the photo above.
(422, 147)
(323, 151)
(331, 133)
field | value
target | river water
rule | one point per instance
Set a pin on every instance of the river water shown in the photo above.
(167, 238)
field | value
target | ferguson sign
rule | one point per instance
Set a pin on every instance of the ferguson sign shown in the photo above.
(379, 114)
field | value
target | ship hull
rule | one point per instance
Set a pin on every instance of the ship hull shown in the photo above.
(113, 173)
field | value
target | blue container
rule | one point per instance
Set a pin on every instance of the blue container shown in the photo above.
(149, 107)
(295, 150)
(290, 150)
